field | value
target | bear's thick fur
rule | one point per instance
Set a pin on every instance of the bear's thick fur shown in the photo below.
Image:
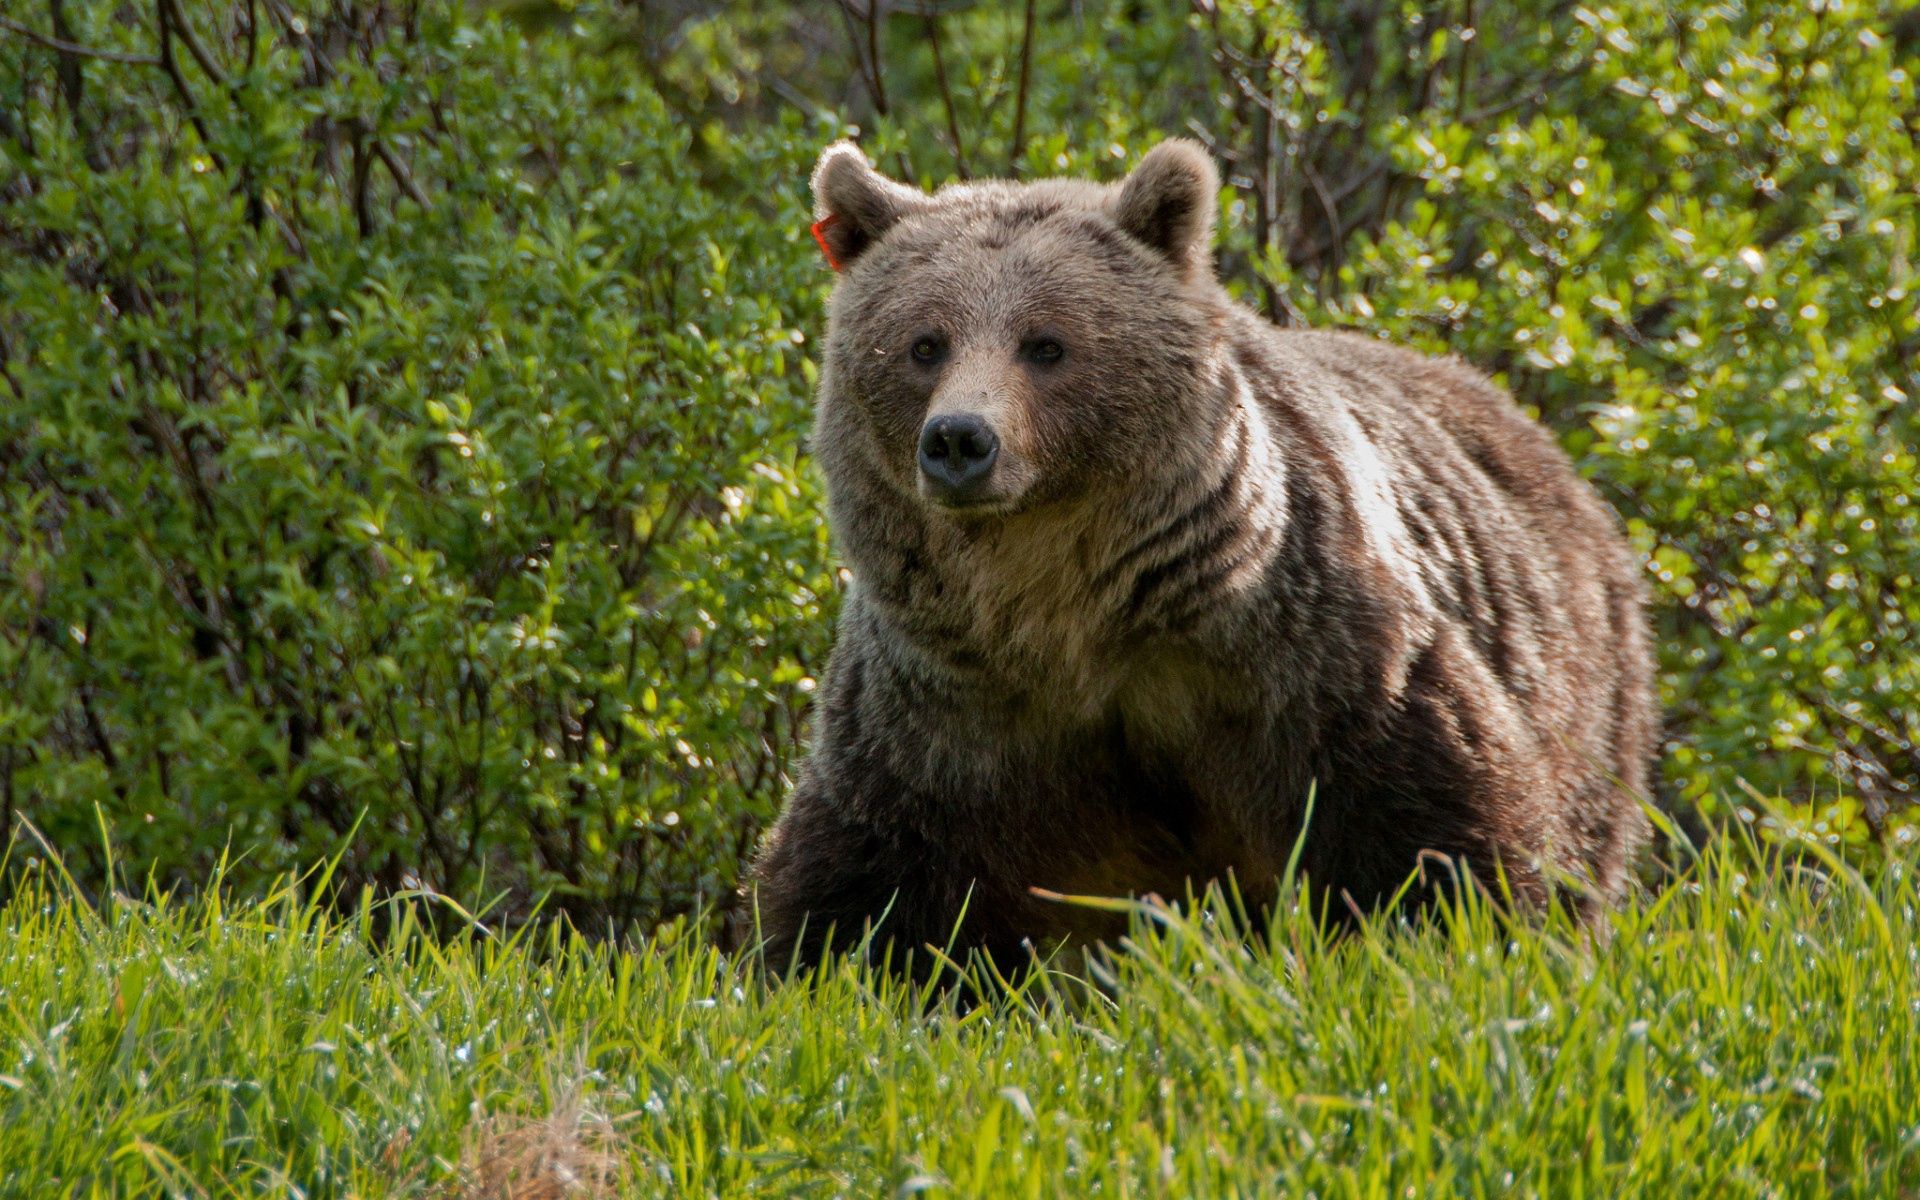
(1135, 571)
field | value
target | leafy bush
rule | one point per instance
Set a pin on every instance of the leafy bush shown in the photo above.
(402, 413)
(402, 420)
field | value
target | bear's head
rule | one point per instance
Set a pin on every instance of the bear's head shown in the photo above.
(997, 348)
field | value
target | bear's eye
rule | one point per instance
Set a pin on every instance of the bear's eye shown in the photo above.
(929, 349)
(1043, 350)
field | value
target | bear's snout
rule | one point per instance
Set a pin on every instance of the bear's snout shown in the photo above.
(957, 453)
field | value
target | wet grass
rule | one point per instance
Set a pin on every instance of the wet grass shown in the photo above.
(1749, 1031)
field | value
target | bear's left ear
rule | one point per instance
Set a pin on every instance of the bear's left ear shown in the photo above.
(1168, 201)
(855, 203)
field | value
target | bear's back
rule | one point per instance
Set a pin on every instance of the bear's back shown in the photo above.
(1424, 408)
(1513, 548)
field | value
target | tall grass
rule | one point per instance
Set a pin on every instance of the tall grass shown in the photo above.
(1747, 1031)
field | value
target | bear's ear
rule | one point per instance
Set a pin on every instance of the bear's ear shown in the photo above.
(1168, 201)
(855, 204)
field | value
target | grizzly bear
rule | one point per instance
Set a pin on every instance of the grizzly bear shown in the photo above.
(1135, 573)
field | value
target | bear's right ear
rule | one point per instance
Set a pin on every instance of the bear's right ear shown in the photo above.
(855, 204)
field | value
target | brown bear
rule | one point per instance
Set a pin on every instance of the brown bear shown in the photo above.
(1135, 573)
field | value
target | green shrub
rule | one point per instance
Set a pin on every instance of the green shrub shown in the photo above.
(400, 420)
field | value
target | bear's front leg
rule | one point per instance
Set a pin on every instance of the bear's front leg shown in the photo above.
(826, 880)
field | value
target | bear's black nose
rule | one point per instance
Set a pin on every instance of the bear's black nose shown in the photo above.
(956, 455)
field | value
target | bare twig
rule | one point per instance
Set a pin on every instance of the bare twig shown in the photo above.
(867, 70)
(362, 202)
(1532, 95)
(66, 47)
(323, 67)
(1361, 178)
(399, 172)
(195, 46)
(172, 66)
(71, 72)
(6, 368)
(1468, 35)
(1335, 231)
(794, 96)
(946, 95)
(873, 55)
(1019, 144)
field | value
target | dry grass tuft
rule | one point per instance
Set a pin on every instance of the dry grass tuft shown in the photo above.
(573, 1153)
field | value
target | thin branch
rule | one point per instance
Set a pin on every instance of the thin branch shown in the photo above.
(195, 46)
(66, 47)
(873, 55)
(172, 66)
(946, 95)
(1019, 144)
(1535, 94)
(323, 67)
(401, 175)
(71, 73)
(362, 206)
(794, 96)
(1336, 232)
(1468, 35)
(1360, 179)
(845, 9)
(6, 368)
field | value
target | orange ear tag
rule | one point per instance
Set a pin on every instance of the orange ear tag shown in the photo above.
(819, 235)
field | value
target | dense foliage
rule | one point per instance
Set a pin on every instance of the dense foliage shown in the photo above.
(400, 409)
(402, 419)
(1747, 1034)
